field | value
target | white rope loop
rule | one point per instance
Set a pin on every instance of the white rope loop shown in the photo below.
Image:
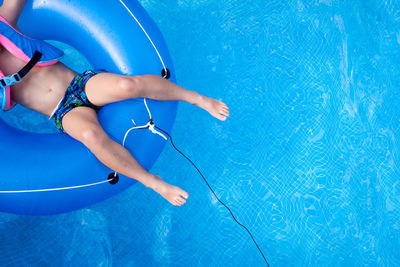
(54, 189)
(149, 125)
(148, 110)
(148, 37)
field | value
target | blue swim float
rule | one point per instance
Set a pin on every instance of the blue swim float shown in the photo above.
(46, 174)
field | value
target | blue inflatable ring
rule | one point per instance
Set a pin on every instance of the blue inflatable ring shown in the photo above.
(44, 174)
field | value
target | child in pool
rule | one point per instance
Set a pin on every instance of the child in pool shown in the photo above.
(43, 87)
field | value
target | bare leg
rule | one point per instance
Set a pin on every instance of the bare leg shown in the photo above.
(105, 88)
(81, 123)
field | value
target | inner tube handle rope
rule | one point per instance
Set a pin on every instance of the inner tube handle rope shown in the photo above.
(149, 125)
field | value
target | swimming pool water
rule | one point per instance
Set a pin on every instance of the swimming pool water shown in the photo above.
(308, 161)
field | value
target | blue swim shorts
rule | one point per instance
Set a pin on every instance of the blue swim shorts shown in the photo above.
(75, 96)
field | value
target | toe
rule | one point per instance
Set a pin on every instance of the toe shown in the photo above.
(184, 194)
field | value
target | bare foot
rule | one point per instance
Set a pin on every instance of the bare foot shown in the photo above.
(215, 107)
(173, 194)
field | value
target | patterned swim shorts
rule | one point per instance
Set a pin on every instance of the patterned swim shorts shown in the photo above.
(75, 96)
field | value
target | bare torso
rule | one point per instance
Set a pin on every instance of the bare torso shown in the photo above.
(42, 88)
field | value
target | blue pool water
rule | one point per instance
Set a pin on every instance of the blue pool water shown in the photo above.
(308, 161)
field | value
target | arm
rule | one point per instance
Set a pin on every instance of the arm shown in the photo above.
(11, 10)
